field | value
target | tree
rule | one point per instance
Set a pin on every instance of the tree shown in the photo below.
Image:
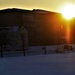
(24, 39)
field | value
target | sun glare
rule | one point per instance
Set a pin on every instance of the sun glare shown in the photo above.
(68, 11)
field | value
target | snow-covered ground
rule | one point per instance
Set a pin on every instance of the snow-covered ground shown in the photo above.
(37, 63)
(50, 64)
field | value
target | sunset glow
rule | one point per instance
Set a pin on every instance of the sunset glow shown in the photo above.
(68, 35)
(68, 11)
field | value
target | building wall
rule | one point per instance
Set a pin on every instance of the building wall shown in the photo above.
(12, 22)
(6, 19)
(43, 28)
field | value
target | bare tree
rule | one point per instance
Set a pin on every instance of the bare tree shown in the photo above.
(24, 39)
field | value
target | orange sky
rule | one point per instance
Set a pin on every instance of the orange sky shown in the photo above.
(51, 5)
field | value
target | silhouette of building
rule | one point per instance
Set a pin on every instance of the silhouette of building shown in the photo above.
(41, 27)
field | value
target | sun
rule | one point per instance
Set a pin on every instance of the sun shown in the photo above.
(68, 11)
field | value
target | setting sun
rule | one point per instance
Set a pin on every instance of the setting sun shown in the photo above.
(68, 11)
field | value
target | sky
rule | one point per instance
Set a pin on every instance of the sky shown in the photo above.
(50, 5)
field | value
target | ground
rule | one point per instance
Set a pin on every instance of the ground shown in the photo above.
(49, 64)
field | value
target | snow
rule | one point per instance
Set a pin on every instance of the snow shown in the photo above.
(49, 64)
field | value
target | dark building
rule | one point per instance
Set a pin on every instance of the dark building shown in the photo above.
(39, 27)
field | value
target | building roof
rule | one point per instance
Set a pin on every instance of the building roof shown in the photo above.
(27, 11)
(14, 10)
